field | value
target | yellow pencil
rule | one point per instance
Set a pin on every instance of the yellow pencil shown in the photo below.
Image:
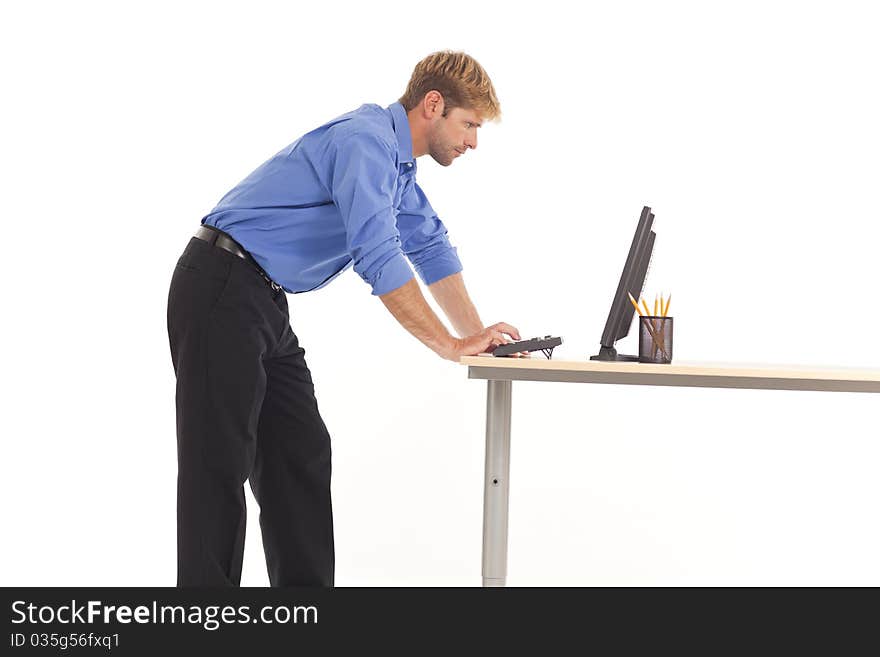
(633, 302)
(666, 309)
(645, 306)
(655, 305)
(639, 311)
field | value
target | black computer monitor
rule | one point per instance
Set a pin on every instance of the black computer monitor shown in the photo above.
(632, 280)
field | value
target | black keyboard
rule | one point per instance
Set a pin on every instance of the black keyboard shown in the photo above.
(545, 344)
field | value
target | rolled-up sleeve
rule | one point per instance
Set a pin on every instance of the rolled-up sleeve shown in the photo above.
(424, 238)
(362, 187)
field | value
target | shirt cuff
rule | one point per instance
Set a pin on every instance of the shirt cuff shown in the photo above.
(393, 273)
(440, 265)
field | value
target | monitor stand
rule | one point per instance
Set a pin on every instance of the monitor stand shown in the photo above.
(610, 353)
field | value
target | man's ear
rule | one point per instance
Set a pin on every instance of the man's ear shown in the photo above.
(432, 105)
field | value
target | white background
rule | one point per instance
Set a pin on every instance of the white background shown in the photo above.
(750, 128)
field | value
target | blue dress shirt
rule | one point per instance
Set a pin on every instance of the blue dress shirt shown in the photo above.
(343, 194)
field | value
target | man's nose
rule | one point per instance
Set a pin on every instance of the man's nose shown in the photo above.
(471, 142)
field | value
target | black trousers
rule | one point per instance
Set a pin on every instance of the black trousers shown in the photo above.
(246, 410)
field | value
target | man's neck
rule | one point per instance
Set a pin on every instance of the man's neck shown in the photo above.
(417, 133)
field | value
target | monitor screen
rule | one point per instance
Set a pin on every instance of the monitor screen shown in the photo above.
(632, 280)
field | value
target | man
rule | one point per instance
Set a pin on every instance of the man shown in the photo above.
(342, 195)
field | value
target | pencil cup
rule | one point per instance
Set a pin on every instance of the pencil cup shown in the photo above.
(655, 339)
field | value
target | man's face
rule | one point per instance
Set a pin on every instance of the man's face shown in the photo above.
(451, 135)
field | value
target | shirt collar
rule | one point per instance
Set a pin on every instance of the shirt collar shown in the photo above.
(401, 129)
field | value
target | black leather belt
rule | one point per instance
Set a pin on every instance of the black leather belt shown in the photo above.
(218, 238)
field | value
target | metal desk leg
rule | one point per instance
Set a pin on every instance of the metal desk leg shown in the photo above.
(495, 491)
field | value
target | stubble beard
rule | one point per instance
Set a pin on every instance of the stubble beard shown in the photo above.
(443, 154)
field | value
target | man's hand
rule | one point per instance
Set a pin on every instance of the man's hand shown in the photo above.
(409, 307)
(483, 341)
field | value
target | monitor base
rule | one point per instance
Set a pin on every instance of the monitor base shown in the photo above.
(610, 354)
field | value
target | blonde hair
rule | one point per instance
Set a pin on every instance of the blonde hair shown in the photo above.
(460, 80)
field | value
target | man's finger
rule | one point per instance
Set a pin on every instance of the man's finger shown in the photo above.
(507, 328)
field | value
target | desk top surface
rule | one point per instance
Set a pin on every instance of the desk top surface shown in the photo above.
(676, 369)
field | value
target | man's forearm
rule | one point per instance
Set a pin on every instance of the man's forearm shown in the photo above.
(409, 307)
(452, 297)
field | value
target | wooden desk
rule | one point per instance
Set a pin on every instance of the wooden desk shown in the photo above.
(502, 372)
